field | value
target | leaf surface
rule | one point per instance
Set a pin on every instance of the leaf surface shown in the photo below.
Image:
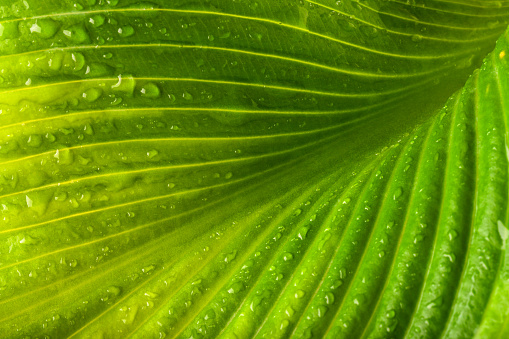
(254, 169)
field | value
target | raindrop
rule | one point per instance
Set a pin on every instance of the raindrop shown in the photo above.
(126, 31)
(35, 140)
(329, 298)
(64, 156)
(152, 154)
(236, 287)
(77, 34)
(150, 90)
(398, 193)
(97, 20)
(452, 235)
(299, 294)
(303, 232)
(92, 94)
(46, 28)
(287, 257)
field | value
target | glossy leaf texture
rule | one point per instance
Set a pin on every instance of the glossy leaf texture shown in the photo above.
(244, 169)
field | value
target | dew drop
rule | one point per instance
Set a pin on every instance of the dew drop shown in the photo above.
(503, 232)
(45, 28)
(299, 294)
(147, 269)
(77, 34)
(97, 20)
(29, 201)
(88, 129)
(152, 154)
(329, 298)
(8, 30)
(321, 310)
(398, 193)
(126, 31)
(230, 257)
(35, 140)
(303, 232)
(64, 156)
(336, 284)
(416, 38)
(92, 94)
(287, 256)
(453, 235)
(125, 84)
(150, 90)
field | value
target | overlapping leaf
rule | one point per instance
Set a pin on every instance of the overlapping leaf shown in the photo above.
(253, 169)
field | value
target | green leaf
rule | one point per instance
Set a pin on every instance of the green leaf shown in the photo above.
(245, 169)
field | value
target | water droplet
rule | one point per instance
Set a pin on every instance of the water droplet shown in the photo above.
(126, 31)
(297, 212)
(83, 161)
(77, 34)
(453, 235)
(287, 256)
(450, 256)
(92, 94)
(416, 38)
(148, 268)
(503, 232)
(236, 287)
(188, 96)
(321, 310)
(152, 154)
(64, 156)
(324, 241)
(329, 298)
(230, 257)
(97, 20)
(391, 314)
(398, 193)
(114, 290)
(29, 201)
(8, 30)
(35, 140)
(74, 203)
(125, 84)
(150, 90)
(336, 284)
(88, 129)
(66, 131)
(228, 175)
(45, 28)
(210, 314)
(299, 294)
(284, 324)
